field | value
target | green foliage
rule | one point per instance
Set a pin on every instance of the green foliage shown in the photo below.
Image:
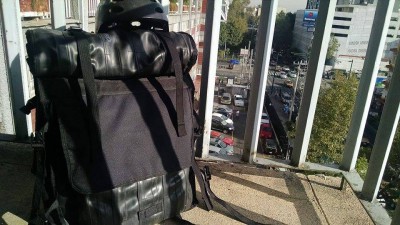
(283, 31)
(233, 30)
(332, 48)
(222, 54)
(394, 157)
(332, 119)
(362, 166)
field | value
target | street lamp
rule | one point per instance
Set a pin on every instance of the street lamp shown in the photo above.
(351, 66)
(299, 64)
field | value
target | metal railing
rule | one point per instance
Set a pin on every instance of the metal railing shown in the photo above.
(16, 68)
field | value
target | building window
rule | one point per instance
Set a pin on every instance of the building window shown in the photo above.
(339, 35)
(398, 36)
(392, 27)
(341, 27)
(344, 9)
(342, 18)
(389, 35)
(393, 19)
(353, 43)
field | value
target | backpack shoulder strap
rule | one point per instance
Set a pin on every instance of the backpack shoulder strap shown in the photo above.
(176, 62)
(90, 87)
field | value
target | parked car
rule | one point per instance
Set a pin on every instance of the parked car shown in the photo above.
(288, 83)
(218, 146)
(238, 100)
(221, 117)
(222, 137)
(266, 130)
(293, 74)
(285, 97)
(221, 125)
(282, 75)
(286, 68)
(224, 110)
(226, 98)
(270, 146)
(264, 118)
(365, 142)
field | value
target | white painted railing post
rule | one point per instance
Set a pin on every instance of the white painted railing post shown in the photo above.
(84, 14)
(209, 69)
(313, 81)
(58, 14)
(265, 36)
(373, 57)
(384, 137)
(16, 66)
(396, 216)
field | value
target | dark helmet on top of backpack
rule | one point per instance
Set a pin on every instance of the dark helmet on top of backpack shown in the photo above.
(112, 13)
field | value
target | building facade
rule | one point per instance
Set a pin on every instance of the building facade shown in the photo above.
(352, 28)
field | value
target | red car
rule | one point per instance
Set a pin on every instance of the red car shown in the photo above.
(222, 137)
(265, 130)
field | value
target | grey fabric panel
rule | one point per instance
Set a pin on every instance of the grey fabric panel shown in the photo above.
(142, 114)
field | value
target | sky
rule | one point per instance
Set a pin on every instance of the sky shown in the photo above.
(290, 5)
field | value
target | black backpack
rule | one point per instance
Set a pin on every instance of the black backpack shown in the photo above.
(115, 127)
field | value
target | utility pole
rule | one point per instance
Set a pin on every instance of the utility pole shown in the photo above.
(299, 64)
(273, 78)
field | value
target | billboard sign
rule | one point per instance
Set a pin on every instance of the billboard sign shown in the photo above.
(244, 51)
(310, 15)
(308, 24)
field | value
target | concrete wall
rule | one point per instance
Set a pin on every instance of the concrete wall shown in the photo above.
(6, 118)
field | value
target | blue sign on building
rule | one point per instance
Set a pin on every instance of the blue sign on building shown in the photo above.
(310, 15)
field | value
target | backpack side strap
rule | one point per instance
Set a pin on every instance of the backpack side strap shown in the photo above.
(204, 179)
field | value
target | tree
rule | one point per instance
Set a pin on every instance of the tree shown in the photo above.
(283, 35)
(332, 120)
(236, 25)
(332, 48)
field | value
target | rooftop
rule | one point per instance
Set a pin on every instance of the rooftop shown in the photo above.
(265, 194)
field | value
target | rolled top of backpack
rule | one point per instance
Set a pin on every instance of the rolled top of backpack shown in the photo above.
(114, 55)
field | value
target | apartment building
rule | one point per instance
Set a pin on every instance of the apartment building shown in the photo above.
(351, 27)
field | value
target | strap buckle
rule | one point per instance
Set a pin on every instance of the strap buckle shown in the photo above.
(37, 140)
(206, 172)
(74, 28)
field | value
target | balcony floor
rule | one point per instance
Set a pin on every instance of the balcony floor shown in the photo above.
(265, 195)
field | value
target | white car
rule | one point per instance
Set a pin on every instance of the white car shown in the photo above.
(238, 100)
(264, 118)
(222, 117)
(293, 74)
(286, 69)
(282, 75)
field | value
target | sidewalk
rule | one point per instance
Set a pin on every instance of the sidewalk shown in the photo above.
(265, 195)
